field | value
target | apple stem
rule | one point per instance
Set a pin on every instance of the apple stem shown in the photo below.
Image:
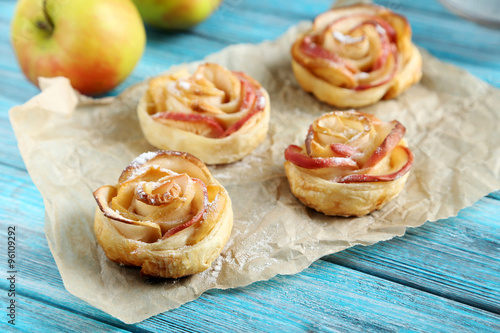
(47, 25)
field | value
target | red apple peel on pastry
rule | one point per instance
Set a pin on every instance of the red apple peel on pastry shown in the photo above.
(350, 164)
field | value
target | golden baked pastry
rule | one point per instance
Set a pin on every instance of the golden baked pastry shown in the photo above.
(215, 114)
(167, 214)
(350, 165)
(354, 56)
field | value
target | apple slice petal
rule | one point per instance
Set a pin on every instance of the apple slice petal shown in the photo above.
(294, 154)
(185, 225)
(389, 143)
(343, 150)
(103, 196)
(164, 194)
(325, 19)
(309, 139)
(314, 50)
(173, 161)
(385, 66)
(339, 149)
(208, 125)
(249, 95)
(259, 105)
(217, 120)
(391, 69)
(384, 63)
(197, 217)
(385, 45)
(138, 230)
(216, 76)
(406, 165)
(244, 77)
(389, 30)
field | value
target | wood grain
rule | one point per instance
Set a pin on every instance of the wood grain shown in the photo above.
(427, 258)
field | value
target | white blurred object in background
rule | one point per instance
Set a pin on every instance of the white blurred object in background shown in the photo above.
(485, 12)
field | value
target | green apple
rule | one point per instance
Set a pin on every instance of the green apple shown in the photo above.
(175, 14)
(94, 43)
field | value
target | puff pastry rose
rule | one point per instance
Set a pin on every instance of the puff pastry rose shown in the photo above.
(350, 165)
(167, 214)
(354, 56)
(218, 115)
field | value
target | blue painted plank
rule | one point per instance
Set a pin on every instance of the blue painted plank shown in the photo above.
(327, 297)
(495, 195)
(433, 8)
(49, 318)
(297, 10)
(323, 297)
(9, 152)
(456, 258)
(432, 272)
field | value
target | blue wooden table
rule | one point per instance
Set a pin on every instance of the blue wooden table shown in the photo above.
(443, 276)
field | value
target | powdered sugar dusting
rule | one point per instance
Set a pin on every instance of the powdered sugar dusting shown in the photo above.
(257, 248)
(184, 84)
(261, 102)
(211, 274)
(380, 30)
(211, 206)
(141, 171)
(346, 39)
(361, 75)
(143, 158)
(217, 266)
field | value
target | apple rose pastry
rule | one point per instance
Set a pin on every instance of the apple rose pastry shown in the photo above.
(217, 115)
(167, 214)
(354, 56)
(351, 164)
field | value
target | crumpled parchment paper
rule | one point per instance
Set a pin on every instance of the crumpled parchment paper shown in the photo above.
(70, 150)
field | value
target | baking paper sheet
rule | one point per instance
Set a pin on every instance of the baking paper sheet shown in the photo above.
(70, 150)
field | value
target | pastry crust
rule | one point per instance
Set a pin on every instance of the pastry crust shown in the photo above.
(351, 164)
(351, 199)
(355, 56)
(167, 214)
(215, 114)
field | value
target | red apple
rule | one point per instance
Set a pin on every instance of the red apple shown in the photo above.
(94, 43)
(175, 14)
